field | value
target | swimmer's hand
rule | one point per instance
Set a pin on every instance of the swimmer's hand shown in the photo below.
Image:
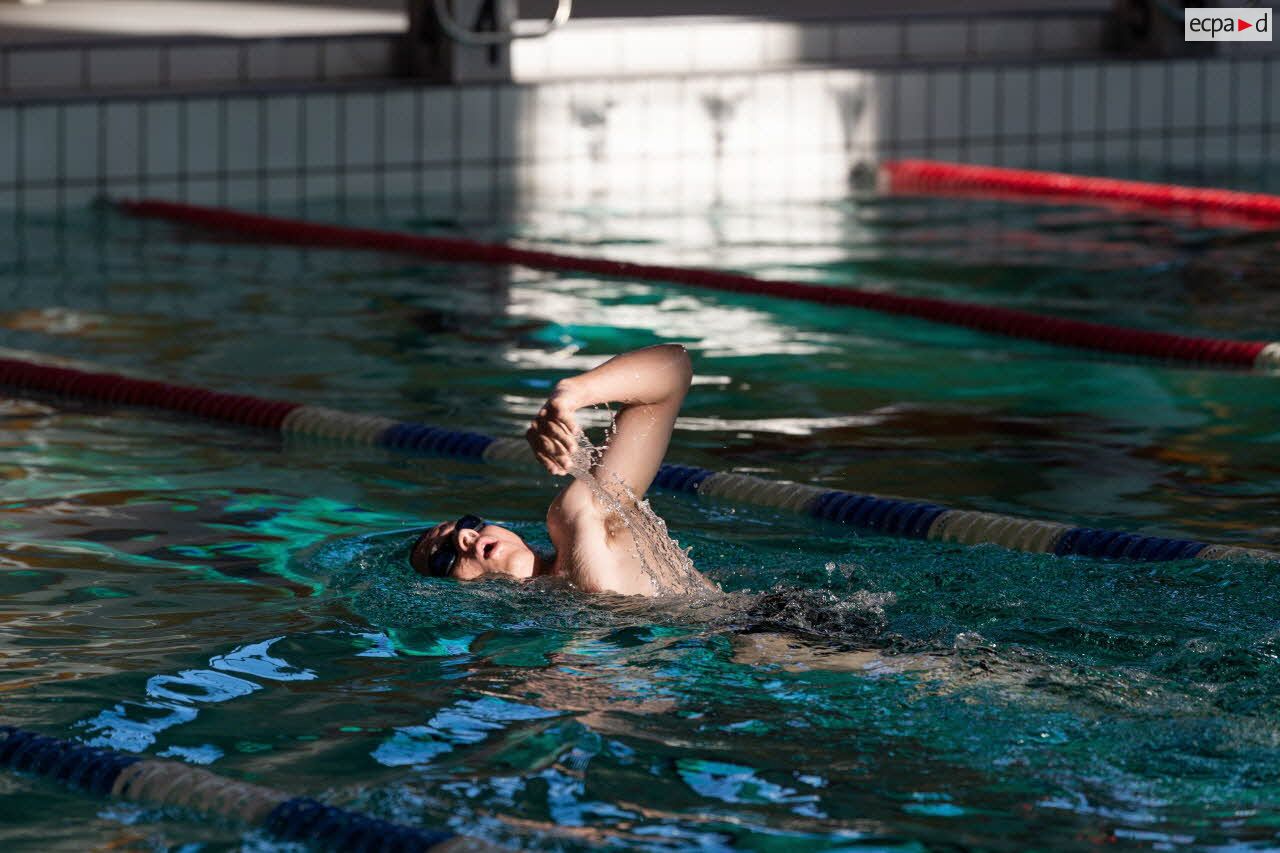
(649, 384)
(553, 434)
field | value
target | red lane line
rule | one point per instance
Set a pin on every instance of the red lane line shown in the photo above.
(124, 389)
(1004, 321)
(935, 176)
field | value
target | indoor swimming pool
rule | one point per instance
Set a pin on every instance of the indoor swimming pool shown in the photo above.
(234, 600)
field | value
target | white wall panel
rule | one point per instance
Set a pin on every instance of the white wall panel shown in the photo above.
(669, 136)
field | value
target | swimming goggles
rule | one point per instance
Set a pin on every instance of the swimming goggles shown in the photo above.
(443, 560)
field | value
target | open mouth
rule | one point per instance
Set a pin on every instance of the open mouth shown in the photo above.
(488, 549)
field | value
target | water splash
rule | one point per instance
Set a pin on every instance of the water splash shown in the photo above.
(858, 617)
(663, 561)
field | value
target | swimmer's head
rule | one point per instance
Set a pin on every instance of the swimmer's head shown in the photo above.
(470, 548)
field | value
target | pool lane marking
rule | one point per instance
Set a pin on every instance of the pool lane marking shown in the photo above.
(106, 772)
(1010, 322)
(874, 513)
(942, 178)
(323, 422)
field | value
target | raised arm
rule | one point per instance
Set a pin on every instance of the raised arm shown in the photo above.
(650, 385)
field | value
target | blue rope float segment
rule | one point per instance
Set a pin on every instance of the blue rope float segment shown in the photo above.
(73, 764)
(681, 478)
(429, 439)
(909, 519)
(106, 772)
(1091, 542)
(305, 819)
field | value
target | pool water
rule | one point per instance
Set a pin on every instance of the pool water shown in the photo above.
(231, 599)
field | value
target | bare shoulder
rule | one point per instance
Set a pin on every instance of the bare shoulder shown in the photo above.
(587, 547)
(574, 506)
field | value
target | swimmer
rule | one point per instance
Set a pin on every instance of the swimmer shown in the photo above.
(595, 523)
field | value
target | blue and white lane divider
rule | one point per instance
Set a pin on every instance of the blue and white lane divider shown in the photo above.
(106, 772)
(924, 520)
(872, 513)
(889, 516)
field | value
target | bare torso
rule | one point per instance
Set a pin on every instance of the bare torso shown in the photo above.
(598, 552)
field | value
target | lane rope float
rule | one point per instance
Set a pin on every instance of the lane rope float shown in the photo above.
(1010, 322)
(154, 781)
(936, 177)
(864, 512)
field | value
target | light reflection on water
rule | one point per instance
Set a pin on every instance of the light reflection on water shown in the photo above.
(226, 598)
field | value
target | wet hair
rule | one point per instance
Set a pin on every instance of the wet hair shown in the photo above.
(418, 555)
(440, 562)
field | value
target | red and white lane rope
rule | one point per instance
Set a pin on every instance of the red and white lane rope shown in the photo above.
(1101, 337)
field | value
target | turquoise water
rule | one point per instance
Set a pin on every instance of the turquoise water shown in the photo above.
(224, 597)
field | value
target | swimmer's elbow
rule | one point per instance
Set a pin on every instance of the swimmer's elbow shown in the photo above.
(681, 354)
(681, 366)
(685, 362)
